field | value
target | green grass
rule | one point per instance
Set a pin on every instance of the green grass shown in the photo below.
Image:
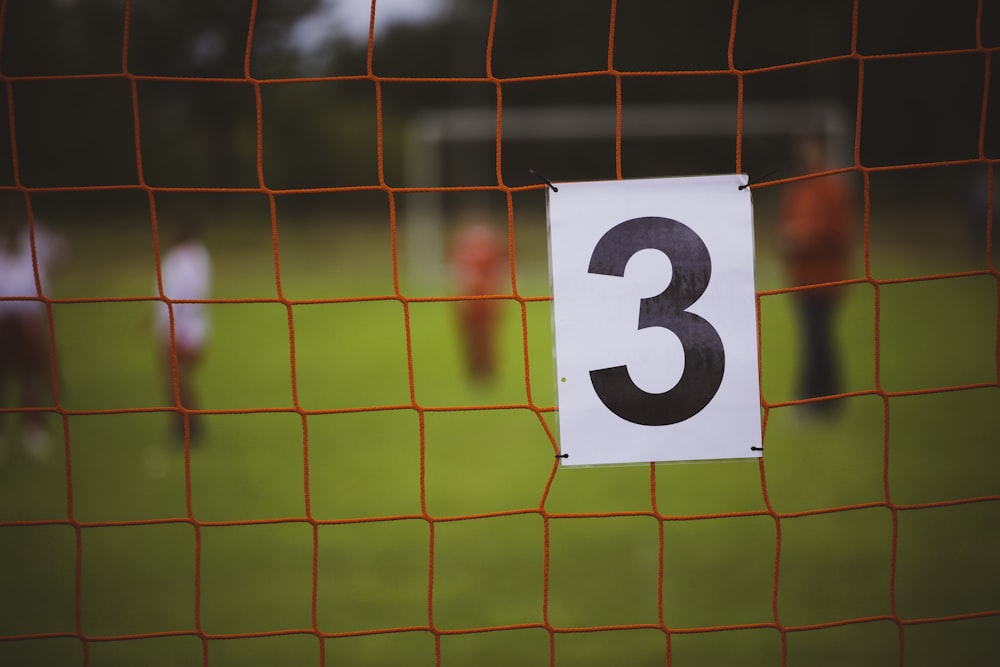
(178, 576)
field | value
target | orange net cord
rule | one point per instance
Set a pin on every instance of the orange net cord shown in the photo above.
(540, 411)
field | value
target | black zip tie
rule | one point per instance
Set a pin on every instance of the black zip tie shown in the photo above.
(562, 456)
(542, 178)
(756, 449)
(748, 183)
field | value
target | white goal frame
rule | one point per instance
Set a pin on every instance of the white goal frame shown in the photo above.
(423, 225)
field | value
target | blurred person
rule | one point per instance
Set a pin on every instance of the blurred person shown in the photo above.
(816, 231)
(24, 331)
(186, 273)
(477, 267)
(978, 212)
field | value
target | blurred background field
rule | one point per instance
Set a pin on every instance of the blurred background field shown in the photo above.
(194, 563)
(356, 500)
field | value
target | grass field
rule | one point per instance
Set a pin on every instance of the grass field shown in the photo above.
(170, 578)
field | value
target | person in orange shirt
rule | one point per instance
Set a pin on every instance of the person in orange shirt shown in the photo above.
(817, 227)
(477, 262)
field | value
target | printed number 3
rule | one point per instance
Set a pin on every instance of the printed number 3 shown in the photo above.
(704, 357)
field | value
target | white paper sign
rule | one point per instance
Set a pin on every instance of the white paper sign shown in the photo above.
(655, 320)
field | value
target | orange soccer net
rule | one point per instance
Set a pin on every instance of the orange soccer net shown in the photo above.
(889, 577)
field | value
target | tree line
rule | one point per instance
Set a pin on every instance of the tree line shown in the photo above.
(196, 120)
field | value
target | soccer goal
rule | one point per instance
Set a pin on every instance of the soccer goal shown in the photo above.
(433, 133)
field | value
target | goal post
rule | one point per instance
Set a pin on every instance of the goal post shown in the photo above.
(433, 132)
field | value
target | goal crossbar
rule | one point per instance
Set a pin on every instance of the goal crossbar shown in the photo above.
(431, 131)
